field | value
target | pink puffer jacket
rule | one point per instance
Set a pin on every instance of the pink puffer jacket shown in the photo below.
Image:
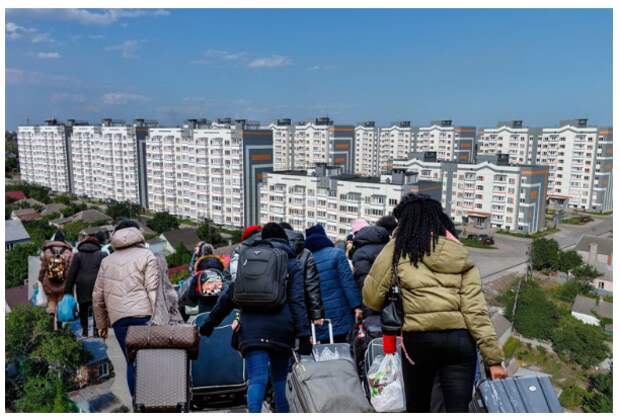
(127, 282)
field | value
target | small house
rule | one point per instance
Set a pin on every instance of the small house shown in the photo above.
(590, 310)
(14, 234)
(25, 215)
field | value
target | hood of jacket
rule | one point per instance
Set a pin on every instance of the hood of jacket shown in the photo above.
(126, 237)
(449, 257)
(371, 235)
(56, 244)
(209, 262)
(89, 245)
(282, 245)
(296, 240)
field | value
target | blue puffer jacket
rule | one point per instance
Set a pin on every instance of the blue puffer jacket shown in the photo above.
(338, 290)
(275, 330)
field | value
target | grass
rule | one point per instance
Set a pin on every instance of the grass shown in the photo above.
(578, 220)
(536, 235)
(473, 243)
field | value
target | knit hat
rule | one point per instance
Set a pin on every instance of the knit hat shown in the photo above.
(316, 238)
(388, 223)
(125, 224)
(274, 231)
(250, 230)
(358, 225)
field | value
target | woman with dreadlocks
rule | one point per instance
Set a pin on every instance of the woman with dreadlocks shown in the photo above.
(445, 313)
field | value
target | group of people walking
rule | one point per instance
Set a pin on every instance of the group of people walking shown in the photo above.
(445, 318)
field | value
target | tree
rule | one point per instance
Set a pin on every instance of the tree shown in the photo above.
(163, 221)
(16, 267)
(31, 190)
(63, 199)
(39, 231)
(582, 343)
(572, 396)
(181, 256)
(600, 399)
(208, 232)
(73, 208)
(123, 209)
(72, 230)
(569, 260)
(44, 395)
(586, 273)
(536, 315)
(545, 254)
(26, 327)
(568, 291)
(61, 351)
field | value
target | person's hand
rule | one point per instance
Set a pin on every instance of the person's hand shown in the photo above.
(497, 372)
(319, 322)
(358, 313)
(103, 333)
(234, 325)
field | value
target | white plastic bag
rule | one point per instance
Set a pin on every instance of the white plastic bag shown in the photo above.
(386, 384)
(40, 299)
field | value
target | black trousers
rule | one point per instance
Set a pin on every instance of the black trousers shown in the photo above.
(451, 356)
(85, 310)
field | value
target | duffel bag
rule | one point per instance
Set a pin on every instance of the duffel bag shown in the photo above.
(167, 336)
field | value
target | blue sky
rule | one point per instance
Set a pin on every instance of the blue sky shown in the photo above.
(473, 66)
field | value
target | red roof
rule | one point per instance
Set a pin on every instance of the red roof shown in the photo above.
(16, 195)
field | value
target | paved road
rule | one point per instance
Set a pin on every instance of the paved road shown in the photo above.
(510, 256)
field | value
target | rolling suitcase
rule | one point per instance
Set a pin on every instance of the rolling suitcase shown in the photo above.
(162, 380)
(331, 350)
(331, 386)
(218, 373)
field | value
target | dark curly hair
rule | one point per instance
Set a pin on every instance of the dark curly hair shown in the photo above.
(421, 221)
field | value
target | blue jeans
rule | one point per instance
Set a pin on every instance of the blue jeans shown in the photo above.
(258, 365)
(120, 330)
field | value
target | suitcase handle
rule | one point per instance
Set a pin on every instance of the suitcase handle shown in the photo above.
(330, 329)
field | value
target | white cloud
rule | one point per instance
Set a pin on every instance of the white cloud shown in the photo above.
(99, 17)
(48, 55)
(128, 48)
(214, 55)
(19, 76)
(270, 62)
(16, 32)
(123, 98)
(68, 98)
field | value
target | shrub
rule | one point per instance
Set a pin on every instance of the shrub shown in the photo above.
(536, 316)
(510, 347)
(572, 396)
(545, 254)
(582, 343)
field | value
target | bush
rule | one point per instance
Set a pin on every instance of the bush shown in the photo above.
(545, 254)
(16, 267)
(72, 230)
(536, 315)
(601, 398)
(572, 397)
(568, 291)
(39, 231)
(510, 347)
(181, 256)
(569, 260)
(162, 222)
(208, 232)
(123, 210)
(582, 343)
(31, 190)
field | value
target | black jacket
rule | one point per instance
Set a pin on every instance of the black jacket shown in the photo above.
(312, 282)
(83, 270)
(367, 244)
(273, 330)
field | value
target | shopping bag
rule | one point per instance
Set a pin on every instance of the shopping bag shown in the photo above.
(386, 384)
(39, 299)
(67, 309)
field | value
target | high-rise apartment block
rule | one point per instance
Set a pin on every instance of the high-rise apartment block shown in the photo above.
(451, 143)
(395, 142)
(510, 138)
(45, 155)
(366, 149)
(283, 144)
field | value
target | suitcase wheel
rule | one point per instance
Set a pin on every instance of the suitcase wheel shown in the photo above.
(139, 408)
(183, 407)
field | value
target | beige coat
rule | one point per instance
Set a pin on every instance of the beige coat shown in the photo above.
(444, 292)
(127, 282)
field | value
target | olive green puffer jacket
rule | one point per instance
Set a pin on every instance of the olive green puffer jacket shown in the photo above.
(444, 292)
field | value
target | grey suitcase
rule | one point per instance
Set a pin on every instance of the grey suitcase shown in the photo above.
(330, 350)
(162, 380)
(516, 395)
(326, 387)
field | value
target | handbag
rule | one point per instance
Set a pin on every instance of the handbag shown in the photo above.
(392, 313)
(166, 336)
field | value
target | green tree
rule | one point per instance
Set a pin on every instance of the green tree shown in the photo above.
(545, 254)
(73, 208)
(586, 273)
(123, 209)
(72, 230)
(26, 327)
(65, 199)
(163, 221)
(569, 290)
(60, 351)
(31, 190)
(536, 315)
(16, 263)
(601, 398)
(39, 231)
(208, 232)
(44, 395)
(569, 260)
(181, 256)
(582, 343)
(572, 397)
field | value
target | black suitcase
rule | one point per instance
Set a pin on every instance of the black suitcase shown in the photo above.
(516, 395)
(162, 381)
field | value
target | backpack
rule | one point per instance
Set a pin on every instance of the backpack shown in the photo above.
(209, 283)
(56, 266)
(262, 272)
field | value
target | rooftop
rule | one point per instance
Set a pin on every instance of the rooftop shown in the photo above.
(186, 236)
(356, 178)
(14, 231)
(605, 245)
(588, 306)
(500, 324)
(15, 195)
(26, 214)
(53, 208)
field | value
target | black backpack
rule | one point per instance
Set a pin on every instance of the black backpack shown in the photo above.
(262, 272)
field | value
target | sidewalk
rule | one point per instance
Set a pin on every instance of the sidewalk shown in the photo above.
(119, 385)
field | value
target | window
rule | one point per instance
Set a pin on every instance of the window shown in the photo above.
(601, 284)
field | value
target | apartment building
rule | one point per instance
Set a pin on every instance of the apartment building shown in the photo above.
(105, 161)
(45, 155)
(283, 144)
(366, 149)
(329, 197)
(490, 193)
(208, 169)
(510, 138)
(395, 142)
(580, 160)
(450, 142)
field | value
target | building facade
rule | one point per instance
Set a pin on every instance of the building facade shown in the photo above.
(366, 149)
(580, 160)
(45, 155)
(510, 138)
(395, 142)
(283, 144)
(450, 142)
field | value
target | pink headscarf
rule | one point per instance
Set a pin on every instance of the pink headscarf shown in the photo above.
(358, 225)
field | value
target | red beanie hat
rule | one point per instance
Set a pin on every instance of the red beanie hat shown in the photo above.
(250, 230)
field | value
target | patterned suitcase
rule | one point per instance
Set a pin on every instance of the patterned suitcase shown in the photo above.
(162, 380)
